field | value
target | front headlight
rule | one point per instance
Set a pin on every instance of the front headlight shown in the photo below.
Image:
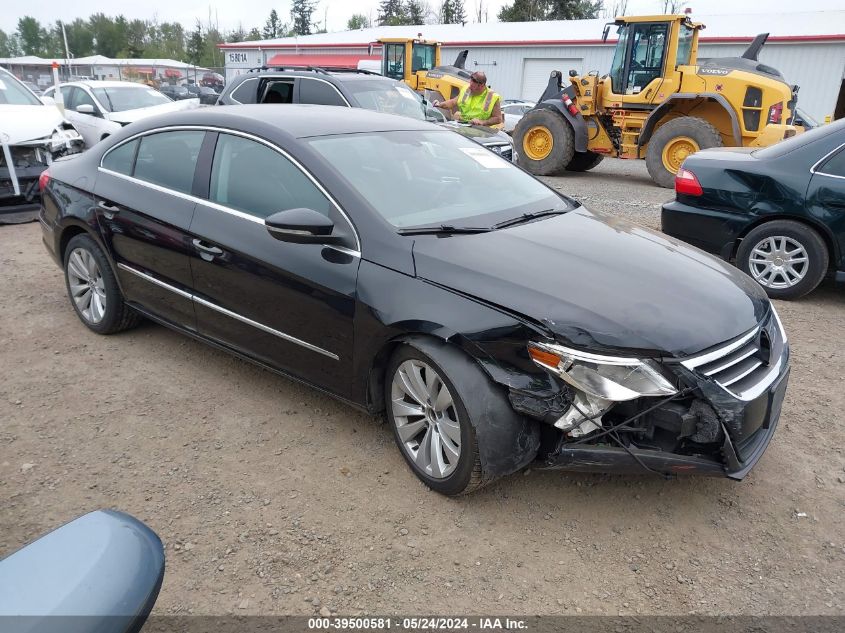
(608, 377)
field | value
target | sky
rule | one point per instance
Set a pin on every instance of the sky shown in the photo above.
(229, 15)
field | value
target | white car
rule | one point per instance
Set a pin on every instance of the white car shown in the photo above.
(32, 134)
(513, 112)
(100, 108)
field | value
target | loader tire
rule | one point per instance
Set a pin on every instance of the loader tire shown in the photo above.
(673, 142)
(584, 161)
(545, 142)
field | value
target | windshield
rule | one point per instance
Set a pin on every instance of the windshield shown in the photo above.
(421, 178)
(121, 98)
(385, 96)
(13, 92)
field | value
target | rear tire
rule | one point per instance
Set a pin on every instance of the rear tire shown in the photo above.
(545, 142)
(673, 142)
(584, 161)
(93, 290)
(787, 258)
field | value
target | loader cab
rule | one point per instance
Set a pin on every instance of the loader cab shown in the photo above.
(648, 53)
(402, 59)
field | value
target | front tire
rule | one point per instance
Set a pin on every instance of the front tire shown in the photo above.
(545, 141)
(787, 258)
(673, 142)
(431, 424)
(584, 161)
(93, 290)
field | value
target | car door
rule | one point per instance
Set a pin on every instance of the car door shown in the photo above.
(290, 306)
(88, 125)
(826, 199)
(318, 92)
(144, 192)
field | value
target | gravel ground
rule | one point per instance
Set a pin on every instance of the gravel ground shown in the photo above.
(273, 499)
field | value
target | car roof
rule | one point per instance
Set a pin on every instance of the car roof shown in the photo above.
(94, 83)
(298, 120)
(322, 73)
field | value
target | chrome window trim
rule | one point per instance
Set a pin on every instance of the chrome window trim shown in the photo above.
(215, 205)
(229, 313)
(814, 169)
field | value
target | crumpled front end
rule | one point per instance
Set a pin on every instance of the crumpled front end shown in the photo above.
(22, 163)
(719, 420)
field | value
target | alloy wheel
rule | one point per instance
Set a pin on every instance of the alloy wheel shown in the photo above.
(778, 262)
(86, 284)
(426, 418)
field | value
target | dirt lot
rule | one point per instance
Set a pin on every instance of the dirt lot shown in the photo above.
(271, 498)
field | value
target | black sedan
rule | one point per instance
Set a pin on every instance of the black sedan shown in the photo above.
(403, 268)
(779, 212)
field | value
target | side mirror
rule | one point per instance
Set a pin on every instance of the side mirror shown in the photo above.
(106, 566)
(85, 108)
(301, 226)
(47, 100)
(433, 114)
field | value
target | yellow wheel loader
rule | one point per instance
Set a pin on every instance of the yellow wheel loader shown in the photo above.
(659, 102)
(417, 63)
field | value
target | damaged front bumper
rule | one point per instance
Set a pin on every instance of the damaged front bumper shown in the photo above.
(719, 423)
(21, 165)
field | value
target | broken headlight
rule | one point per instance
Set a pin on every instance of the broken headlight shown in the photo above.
(610, 378)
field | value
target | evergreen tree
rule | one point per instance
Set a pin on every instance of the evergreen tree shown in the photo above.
(8, 45)
(273, 27)
(196, 46)
(300, 13)
(538, 10)
(415, 12)
(392, 13)
(453, 12)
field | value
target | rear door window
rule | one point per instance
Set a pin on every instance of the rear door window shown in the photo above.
(169, 159)
(835, 165)
(278, 91)
(121, 159)
(246, 92)
(319, 92)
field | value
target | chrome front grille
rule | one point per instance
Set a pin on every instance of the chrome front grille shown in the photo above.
(748, 365)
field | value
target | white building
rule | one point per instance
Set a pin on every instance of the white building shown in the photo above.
(807, 47)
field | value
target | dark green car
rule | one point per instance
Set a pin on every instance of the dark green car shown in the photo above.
(778, 212)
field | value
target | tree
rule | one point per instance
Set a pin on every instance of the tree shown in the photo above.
(273, 27)
(31, 36)
(415, 12)
(196, 45)
(358, 21)
(392, 13)
(573, 9)
(537, 10)
(671, 6)
(619, 7)
(300, 14)
(453, 12)
(8, 45)
(254, 35)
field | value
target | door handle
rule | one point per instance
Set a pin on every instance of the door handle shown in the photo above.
(205, 248)
(109, 210)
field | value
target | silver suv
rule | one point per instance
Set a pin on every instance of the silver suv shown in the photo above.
(353, 89)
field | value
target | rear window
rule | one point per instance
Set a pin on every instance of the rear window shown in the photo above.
(801, 140)
(121, 159)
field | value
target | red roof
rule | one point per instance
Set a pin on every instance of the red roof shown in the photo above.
(336, 61)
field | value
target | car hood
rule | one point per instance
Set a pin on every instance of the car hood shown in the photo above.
(130, 116)
(600, 283)
(21, 123)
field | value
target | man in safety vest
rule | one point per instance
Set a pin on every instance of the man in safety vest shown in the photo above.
(477, 104)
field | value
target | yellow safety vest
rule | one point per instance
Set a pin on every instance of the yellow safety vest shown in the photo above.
(478, 106)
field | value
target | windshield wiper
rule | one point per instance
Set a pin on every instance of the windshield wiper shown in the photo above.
(443, 229)
(527, 217)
